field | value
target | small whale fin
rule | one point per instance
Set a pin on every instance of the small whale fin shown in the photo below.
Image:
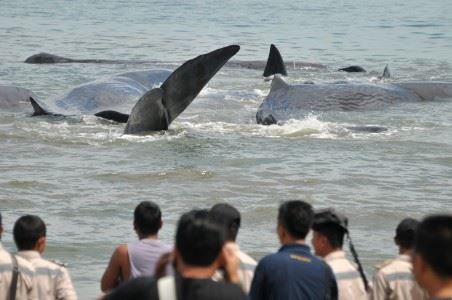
(113, 116)
(148, 114)
(38, 110)
(275, 63)
(353, 69)
(386, 73)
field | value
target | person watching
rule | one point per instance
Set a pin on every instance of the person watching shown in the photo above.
(137, 258)
(228, 217)
(394, 278)
(329, 229)
(432, 256)
(293, 272)
(52, 279)
(199, 252)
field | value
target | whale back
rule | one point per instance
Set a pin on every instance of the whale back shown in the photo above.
(296, 101)
(429, 90)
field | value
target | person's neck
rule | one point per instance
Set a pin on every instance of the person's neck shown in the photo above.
(442, 289)
(148, 236)
(290, 241)
(404, 251)
(197, 272)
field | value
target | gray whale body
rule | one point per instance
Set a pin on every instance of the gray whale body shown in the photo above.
(152, 108)
(286, 101)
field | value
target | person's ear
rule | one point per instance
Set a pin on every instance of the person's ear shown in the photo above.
(41, 244)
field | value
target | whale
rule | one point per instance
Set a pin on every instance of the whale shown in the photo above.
(144, 100)
(286, 101)
(13, 97)
(48, 58)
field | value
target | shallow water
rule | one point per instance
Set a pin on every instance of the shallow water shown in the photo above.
(84, 178)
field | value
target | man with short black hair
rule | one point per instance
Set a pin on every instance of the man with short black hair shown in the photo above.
(433, 256)
(394, 278)
(199, 252)
(52, 279)
(293, 272)
(329, 229)
(228, 217)
(137, 258)
(25, 282)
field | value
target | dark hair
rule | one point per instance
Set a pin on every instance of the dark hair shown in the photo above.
(1, 219)
(296, 217)
(227, 217)
(198, 240)
(433, 242)
(406, 232)
(333, 233)
(147, 217)
(27, 231)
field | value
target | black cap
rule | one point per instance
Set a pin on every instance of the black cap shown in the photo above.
(406, 228)
(330, 216)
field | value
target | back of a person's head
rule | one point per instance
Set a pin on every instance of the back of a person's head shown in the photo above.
(27, 231)
(148, 218)
(296, 217)
(198, 239)
(433, 243)
(406, 232)
(331, 224)
(227, 217)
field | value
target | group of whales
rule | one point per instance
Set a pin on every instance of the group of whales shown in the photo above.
(155, 108)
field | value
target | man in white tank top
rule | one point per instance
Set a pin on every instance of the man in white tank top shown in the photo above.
(137, 258)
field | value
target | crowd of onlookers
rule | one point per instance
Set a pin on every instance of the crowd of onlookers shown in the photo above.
(205, 261)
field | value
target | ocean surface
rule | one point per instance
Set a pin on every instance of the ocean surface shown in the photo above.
(84, 177)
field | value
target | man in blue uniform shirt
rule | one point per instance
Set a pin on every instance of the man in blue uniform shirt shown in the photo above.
(293, 273)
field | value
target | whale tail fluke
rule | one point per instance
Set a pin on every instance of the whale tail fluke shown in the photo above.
(275, 63)
(159, 107)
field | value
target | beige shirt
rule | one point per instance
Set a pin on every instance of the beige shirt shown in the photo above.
(349, 282)
(26, 288)
(53, 281)
(394, 280)
(246, 268)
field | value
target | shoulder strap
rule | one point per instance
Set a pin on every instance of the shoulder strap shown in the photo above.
(166, 287)
(13, 287)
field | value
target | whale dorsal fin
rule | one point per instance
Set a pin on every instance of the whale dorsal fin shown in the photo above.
(113, 115)
(275, 63)
(38, 110)
(386, 73)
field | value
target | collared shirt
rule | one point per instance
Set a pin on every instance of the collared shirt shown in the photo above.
(26, 285)
(293, 273)
(349, 281)
(394, 280)
(246, 268)
(53, 281)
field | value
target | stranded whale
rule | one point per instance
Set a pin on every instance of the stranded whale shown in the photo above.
(12, 97)
(154, 108)
(286, 101)
(47, 58)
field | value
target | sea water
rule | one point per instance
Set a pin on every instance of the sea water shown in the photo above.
(84, 177)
